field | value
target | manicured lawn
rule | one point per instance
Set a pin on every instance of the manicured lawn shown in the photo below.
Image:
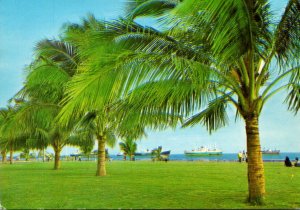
(143, 184)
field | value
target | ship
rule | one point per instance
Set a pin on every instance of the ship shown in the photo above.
(203, 151)
(143, 153)
(149, 153)
(270, 152)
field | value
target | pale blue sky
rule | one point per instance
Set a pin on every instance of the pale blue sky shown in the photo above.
(24, 22)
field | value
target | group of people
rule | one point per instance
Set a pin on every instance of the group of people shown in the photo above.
(242, 156)
(288, 163)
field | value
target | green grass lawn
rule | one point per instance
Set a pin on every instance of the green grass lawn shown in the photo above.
(143, 184)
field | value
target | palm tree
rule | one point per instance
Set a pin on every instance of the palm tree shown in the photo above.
(55, 63)
(104, 137)
(3, 143)
(216, 54)
(4, 117)
(128, 147)
(95, 92)
(3, 152)
(11, 135)
(156, 154)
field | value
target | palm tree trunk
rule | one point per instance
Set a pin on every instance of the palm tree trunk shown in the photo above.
(43, 154)
(132, 158)
(256, 179)
(11, 154)
(101, 170)
(3, 153)
(57, 151)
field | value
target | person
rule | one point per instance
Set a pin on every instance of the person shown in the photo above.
(244, 156)
(297, 163)
(287, 162)
(240, 155)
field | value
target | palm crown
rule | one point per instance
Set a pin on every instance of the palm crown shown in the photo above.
(215, 53)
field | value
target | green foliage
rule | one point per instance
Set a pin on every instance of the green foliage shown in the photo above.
(156, 154)
(128, 147)
(11, 129)
(286, 42)
(221, 51)
(138, 8)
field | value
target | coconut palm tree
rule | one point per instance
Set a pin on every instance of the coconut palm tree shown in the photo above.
(55, 63)
(3, 143)
(128, 147)
(11, 135)
(212, 55)
(3, 152)
(94, 92)
(104, 136)
(156, 154)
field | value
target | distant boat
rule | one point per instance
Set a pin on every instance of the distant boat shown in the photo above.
(143, 153)
(167, 153)
(75, 155)
(149, 153)
(203, 151)
(270, 152)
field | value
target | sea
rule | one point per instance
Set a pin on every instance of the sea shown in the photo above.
(230, 157)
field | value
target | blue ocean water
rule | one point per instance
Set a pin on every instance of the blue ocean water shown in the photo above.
(223, 157)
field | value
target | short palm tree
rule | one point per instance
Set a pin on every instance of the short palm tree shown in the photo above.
(3, 142)
(128, 147)
(156, 154)
(55, 63)
(12, 137)
(212, 55)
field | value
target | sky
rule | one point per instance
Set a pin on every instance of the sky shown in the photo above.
(24, 22)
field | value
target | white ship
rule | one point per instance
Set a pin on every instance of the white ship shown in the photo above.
(203, 151)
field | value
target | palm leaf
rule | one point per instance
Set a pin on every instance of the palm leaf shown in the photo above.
(293, 97)
(213, 117)
(287, 34)
(59, 53)
(150, 8)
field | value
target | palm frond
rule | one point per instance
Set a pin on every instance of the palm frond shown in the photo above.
(46, 82)
(111, 138)
(287, 34)
(293, 97)
(234, 26)
(59, 53)
(150, 7)
(213, 117)
(88, 91)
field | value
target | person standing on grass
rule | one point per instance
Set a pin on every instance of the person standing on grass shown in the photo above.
(240, 156)
(244, 156)
(297, 164)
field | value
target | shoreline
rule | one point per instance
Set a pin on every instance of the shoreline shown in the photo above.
(142, 160)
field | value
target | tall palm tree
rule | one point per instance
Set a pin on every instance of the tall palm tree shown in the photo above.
(97, 89)
(212, 55)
